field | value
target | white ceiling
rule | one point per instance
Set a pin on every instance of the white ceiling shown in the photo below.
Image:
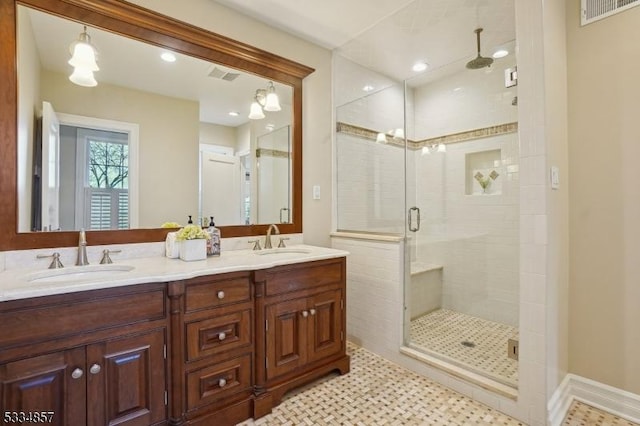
(389, 36)
(329, 23)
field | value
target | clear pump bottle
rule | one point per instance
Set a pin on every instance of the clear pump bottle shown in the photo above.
(213, 243)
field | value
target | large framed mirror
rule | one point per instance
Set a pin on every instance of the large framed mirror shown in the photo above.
(143, 141)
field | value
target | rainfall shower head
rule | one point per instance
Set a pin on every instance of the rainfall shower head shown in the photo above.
(479, 61)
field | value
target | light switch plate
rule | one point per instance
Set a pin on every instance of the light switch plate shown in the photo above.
(555, 177)
(316, 192)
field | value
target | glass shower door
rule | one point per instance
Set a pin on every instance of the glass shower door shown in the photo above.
(462, 218)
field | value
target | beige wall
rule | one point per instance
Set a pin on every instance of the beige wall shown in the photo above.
(29, 104)
(317, 109)
(604, 151)
(169, 137)
(216, 134)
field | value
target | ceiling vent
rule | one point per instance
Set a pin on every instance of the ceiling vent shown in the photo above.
(222, 74)
(594, 10)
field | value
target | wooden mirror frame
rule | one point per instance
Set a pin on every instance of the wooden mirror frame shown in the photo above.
(150, 27)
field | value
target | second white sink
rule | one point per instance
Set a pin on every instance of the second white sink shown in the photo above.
(79, 273)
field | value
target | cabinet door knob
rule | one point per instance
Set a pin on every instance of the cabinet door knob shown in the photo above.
(305, 313)
(222, 336)
(312, 311)
(222, 383)
(77, 373)
(221, 294)
(95, 369)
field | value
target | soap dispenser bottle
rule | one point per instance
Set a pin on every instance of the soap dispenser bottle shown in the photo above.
(213, 243)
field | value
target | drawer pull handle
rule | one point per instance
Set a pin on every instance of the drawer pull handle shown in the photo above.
(222, 383)
(77, 373)
(312, 311)
(95, 369)
(305, 313)
(221, 294)
(222, 336)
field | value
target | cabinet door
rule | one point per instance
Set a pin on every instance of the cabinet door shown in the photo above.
(53, 383)
(126, 380)
(286, 340)
(325, 325)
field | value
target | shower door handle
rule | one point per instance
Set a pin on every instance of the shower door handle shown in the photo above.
(411, 227)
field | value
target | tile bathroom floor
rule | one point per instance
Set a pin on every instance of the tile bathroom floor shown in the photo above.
(379, 392)
(443, 332)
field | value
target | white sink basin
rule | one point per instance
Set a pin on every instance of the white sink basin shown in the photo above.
(283, 250)
(79, 273)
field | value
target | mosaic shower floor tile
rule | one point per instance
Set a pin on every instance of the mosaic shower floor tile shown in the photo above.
(475, 343)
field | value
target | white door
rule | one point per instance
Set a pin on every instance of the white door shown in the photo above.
(220, 180)
(50, 169)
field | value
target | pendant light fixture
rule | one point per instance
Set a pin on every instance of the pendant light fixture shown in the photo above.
(83, 61)
(264, 100)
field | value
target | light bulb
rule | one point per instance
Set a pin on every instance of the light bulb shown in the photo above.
(425, 150)
(442, 148)
(381, 138)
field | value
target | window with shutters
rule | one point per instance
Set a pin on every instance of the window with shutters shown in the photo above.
(105, 172)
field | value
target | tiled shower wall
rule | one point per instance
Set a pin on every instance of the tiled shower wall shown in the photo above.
(474, 236)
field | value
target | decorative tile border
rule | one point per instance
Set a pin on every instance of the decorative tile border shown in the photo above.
(371, 135)
(263, 152)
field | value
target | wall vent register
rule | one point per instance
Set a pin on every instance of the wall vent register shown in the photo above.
(594, 10)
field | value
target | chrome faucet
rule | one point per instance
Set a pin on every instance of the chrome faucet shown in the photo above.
(82, 249)
(267, 238)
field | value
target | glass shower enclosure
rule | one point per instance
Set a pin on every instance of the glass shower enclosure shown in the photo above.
(435, 159)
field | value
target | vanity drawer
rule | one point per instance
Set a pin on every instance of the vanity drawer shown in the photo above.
(54, 317)
(287, 278)
(217, 381)
(212, 293)
(216, 335)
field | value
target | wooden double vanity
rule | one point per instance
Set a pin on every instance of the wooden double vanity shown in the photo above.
(212, 349)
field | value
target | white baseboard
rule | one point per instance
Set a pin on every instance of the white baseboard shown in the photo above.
(616, 401)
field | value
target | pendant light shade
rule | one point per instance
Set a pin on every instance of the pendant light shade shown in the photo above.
(256, 111)
(83, 61)
(272, 103)
(83, 77)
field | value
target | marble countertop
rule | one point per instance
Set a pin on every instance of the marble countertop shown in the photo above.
(20, 284)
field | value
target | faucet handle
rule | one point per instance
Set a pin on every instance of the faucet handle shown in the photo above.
(256, 244)
(281, 243)
(105, 256)
(55, 262)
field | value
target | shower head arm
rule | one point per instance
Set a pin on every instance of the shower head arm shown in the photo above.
(478, 31)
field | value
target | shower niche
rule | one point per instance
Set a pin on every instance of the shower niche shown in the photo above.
(483, 173)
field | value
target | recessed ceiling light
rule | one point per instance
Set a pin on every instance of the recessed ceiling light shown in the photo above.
(168, 57)
(420, 66)
(234, 113)
(368, 88)
(500, 54)
(457, 89)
